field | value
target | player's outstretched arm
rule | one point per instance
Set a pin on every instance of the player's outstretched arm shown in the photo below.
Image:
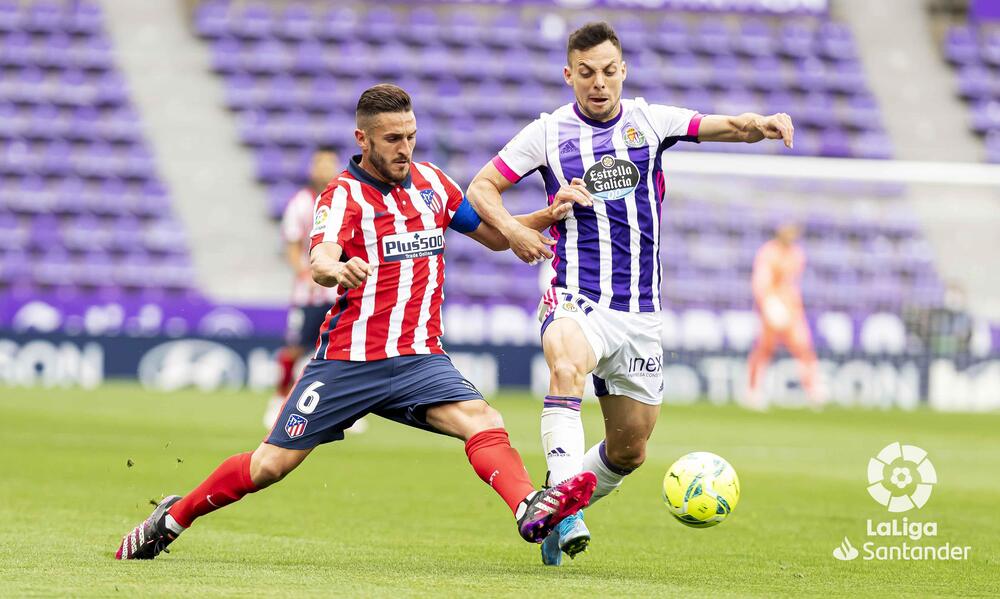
(748, 127)
(485, 194)
(539, 220)
(329, 271)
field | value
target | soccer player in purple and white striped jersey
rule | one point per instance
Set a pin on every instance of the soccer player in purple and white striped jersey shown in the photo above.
(603, 153)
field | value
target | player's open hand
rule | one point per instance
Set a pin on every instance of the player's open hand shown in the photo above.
(353, 273)
(529, 245)
(778, 126)
(575, 192)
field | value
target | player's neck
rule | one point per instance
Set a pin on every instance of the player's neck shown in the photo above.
(611, 117)
(372, 172)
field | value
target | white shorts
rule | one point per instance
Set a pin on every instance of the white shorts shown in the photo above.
(627, 344)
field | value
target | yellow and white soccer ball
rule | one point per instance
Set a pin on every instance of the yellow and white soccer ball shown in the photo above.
(701, 489)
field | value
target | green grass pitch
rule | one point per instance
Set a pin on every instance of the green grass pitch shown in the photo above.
(398, 512)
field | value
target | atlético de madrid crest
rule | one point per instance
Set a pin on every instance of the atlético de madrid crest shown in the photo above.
(632, 137)
(432, 200)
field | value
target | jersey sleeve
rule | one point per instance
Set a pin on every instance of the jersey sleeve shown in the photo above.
(672, 123)
(458, 214)
(524, 153)
(336, 218)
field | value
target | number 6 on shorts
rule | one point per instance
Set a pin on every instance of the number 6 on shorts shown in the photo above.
(309, 399)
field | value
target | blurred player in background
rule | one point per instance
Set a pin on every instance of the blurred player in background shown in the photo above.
(378, 237)
(603, 154)
(310, 302)
(777, 270)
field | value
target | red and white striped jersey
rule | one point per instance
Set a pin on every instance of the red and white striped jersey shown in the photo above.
(296, 226)
(400, 231)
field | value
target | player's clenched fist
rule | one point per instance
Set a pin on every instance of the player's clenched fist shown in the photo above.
(353, 273)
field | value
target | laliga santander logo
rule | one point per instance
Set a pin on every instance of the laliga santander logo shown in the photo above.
(901, 477)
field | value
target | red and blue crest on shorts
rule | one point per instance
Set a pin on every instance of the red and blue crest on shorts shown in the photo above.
(432, 199)
(295, 426)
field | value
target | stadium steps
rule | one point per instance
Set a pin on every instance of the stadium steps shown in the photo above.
(211, 176)
(927, 121)
(914, 86)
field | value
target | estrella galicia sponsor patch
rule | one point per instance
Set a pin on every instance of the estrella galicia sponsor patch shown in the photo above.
(632, 136)
(319, 220)
(412, 245)
(611, 178)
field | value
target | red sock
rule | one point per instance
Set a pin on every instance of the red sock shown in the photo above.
(499, 465)
(227, 484)
(286, 372)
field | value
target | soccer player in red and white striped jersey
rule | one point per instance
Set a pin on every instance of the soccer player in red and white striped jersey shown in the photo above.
(379, 239)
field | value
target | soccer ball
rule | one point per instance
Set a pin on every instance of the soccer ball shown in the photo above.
(701, 489)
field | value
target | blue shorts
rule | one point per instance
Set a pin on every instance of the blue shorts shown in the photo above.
(332, 394)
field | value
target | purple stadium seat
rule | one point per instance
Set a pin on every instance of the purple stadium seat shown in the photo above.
(295, 23)
(962, 45)
(84, 19)
(337, 25)
(253, 23)
(986, 116)
(10, 17)
(712, 37)
(686, 71)
(43, 16)
(380, 25)
(991, 49)
(835, 41)
(211, 19)
(795, 40)
(756, 39)
(422, 29)
(974, 82)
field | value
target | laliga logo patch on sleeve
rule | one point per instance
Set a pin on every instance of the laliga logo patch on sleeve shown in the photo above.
(319, 220)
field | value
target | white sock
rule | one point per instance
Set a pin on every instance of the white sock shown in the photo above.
(609, 476)
(562, 437)
(173, 525)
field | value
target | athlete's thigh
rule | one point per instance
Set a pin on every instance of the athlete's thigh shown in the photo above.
(418, 384)
(329, 397)
(627, 422)
(797, 338)
(564, 339)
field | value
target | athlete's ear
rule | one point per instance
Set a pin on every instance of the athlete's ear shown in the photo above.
(361, 139)
(624, 71)
(567, 76)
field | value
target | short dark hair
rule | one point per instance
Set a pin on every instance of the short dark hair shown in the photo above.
(381, 98)
(326, 149)
(590, 35)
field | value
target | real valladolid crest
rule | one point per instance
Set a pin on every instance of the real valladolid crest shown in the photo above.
(901, 478)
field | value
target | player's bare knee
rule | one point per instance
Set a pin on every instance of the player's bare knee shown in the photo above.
(482, 416)
(628, 457)
(268, 467)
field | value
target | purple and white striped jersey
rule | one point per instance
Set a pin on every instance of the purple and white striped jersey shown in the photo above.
(609, 252)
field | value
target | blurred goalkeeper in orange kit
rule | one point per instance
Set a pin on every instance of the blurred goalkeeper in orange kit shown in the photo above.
(777, 269)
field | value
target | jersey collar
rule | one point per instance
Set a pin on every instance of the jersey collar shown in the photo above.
(599, 124)
(354, 167)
